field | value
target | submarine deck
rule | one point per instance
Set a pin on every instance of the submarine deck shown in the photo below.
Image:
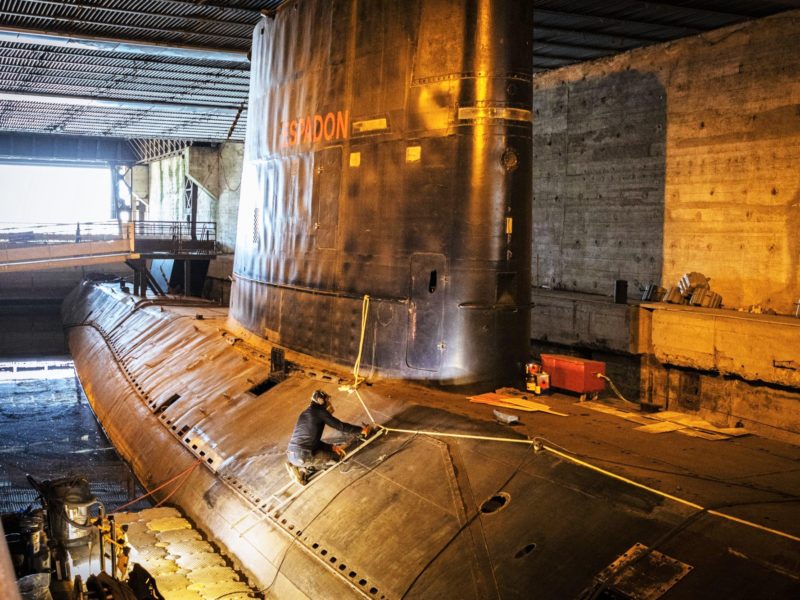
(727, 508)
(756, 478)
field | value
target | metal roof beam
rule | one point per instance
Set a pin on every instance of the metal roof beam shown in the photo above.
(235, 77)
(612, 41)
(221, 7)
(668, 30)
(94, 79)
(23, 35)
(27, 111)
(548, 63)
(156, 93)
(17, 55)
(672, 9)
(101, 102)
(594, 51)
(61, 148)
(162, 30)
(570, 58)
(140, 13)
(214, 137)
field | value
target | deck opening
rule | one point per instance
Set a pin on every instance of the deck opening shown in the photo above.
(495, 503)
(167, 403)
(262, 387)
(525, 550)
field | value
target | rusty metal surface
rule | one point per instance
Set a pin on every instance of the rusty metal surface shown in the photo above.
(390, 155)
(644, 574)
(403, 517)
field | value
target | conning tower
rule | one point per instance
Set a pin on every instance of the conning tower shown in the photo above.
(388, 153)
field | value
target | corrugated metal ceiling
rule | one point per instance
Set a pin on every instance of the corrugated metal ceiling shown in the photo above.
(570, 31)
(212, 24)
(175, 69)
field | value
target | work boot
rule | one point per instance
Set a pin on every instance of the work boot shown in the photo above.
(296, 473)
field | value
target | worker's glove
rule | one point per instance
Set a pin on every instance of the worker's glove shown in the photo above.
(366, 430)
(339, 451)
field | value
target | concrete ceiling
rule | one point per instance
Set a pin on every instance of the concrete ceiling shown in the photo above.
(178, 69)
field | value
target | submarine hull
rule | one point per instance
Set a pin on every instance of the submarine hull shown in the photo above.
(415, 514)
(388, 155)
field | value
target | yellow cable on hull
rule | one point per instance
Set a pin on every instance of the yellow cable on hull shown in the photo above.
(539, 445)
(597, 469)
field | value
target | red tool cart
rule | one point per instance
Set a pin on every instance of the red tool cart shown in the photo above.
(574, 374)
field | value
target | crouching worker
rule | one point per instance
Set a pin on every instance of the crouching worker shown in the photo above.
(307, 453)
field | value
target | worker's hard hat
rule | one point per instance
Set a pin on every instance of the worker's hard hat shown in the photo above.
(320, 397)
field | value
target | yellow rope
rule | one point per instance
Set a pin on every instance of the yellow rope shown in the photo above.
(458, 435)
(364, 314)
(538, 444)
(353, 387)
(360, 399)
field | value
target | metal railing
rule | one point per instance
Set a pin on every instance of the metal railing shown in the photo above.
(158, 237)
(18, 234)
(176, 230)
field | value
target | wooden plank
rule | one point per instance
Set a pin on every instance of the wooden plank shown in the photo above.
(660, 427)
(493, 399)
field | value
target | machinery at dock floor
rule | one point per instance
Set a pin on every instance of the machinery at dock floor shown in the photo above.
(46, 542)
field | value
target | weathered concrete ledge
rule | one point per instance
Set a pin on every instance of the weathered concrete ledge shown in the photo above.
(754, 347)
(730, 367)
(588, 320)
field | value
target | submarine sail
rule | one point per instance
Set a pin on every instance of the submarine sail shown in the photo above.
(388, 153)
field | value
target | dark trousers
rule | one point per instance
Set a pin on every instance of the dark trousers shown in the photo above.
(322, 457)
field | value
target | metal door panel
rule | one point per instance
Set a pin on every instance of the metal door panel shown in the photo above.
(426, 308)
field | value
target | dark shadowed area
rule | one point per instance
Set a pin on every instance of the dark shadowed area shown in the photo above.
(48, 430)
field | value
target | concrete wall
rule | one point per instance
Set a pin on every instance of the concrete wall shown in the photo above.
(217, 172)
(140, 183)
(166, 189)
(231, 158)
(52, 285)
(674, 158)
(599, 169)
(30, 303)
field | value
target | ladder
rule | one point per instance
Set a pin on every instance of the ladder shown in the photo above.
(290, 491)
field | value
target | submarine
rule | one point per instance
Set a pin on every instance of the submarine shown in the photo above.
(383, 256)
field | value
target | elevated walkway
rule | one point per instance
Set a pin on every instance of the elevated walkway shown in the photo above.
(35, 247)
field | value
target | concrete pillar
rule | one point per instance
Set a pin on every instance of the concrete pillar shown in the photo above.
(140, 188)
